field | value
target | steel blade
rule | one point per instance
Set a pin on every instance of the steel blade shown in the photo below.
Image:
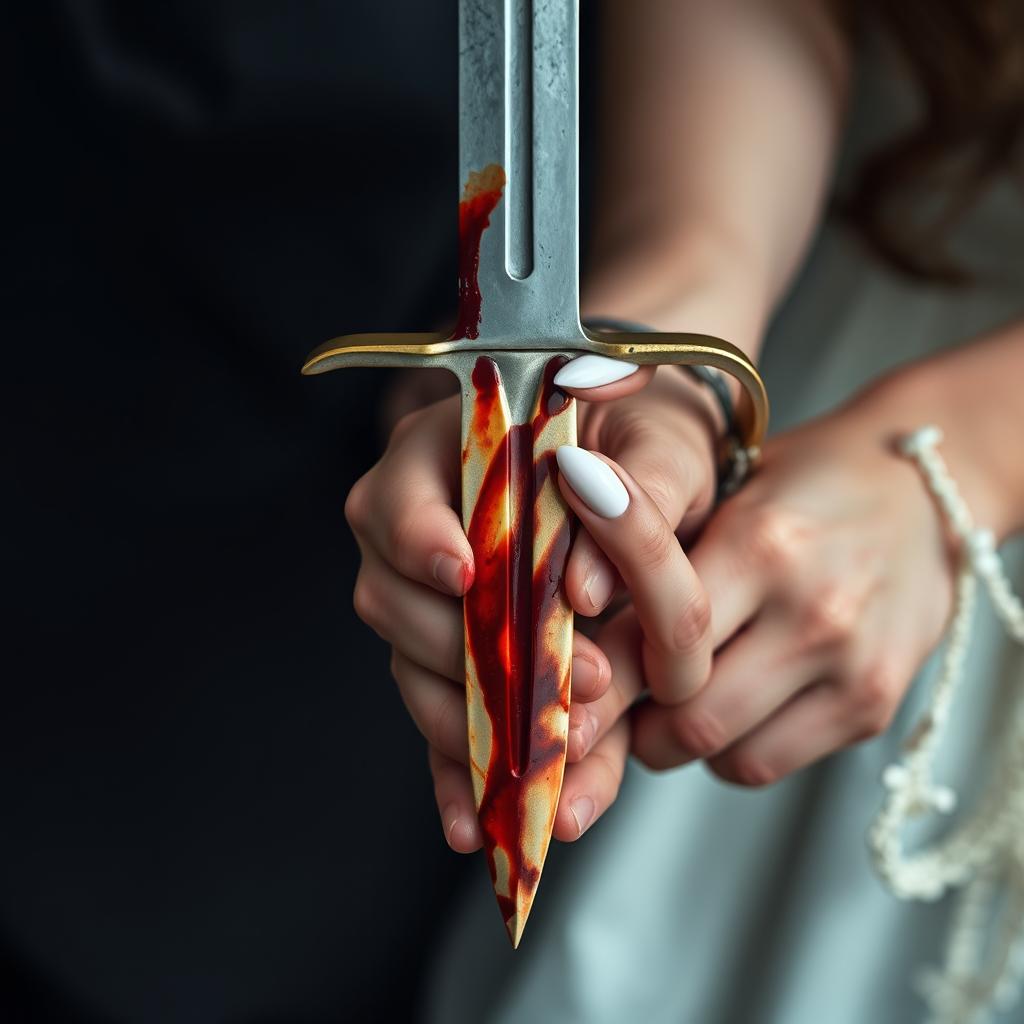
(518, 110)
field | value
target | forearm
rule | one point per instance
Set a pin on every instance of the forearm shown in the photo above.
(719, 121)
(973, 393)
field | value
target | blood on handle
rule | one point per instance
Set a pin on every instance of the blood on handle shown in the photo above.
(514, 595)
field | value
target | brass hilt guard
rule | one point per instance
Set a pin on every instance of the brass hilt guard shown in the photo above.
(459, 355)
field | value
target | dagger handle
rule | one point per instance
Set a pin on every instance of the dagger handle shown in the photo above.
(518, 623)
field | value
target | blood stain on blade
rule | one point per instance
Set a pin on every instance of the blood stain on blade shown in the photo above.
(479, 198)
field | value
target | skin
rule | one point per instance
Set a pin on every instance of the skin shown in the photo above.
(402, 514)
(787, 623)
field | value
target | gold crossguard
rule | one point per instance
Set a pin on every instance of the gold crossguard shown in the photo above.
(421, 349)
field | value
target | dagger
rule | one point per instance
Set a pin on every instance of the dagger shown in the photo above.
(518, 323)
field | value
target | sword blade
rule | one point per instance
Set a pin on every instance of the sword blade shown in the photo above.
(518, 624)
(518, 108)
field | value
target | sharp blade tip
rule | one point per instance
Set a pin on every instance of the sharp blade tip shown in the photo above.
(515, 926)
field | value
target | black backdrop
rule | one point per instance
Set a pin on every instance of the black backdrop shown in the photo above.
(214, 807)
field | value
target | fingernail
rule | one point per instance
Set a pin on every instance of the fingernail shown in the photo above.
(450, 818)
(593, 480)
(585, 673)
(593, 371)
(582, 809)
(590, 733)
(450, 572)
(585, 726)
(598, 583)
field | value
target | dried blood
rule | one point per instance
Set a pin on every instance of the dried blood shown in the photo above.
(479, 198)
(507, 609)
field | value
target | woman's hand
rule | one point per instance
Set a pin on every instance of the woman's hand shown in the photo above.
(829, 575)
(417, 562)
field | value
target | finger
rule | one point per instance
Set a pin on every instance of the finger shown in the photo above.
(403, 508)
(736, 575)
(437, 705)
(591, 670)
(590, 578)
(669, 599)
(750, 681)
(416, 620)
(591, 786)
(670, 458)
(594, 378)
(621, 640)
(825, 718)
(453, 791)
(809, 727)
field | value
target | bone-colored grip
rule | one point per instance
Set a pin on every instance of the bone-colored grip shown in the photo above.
(518, 626)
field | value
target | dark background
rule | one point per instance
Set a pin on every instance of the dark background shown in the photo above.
(214, 807)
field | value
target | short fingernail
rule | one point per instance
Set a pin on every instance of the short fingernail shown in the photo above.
(450, 818)
(582, 809)
(585, 672)
(450, 572)
(593, 480)
(598, 584)
(590, 733)
(584, 727)
(593, 372)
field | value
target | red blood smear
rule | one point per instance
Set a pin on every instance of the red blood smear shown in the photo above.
(506, 610)
(474, 215)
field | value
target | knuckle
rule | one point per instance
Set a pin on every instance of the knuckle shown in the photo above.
(653, 478)
(626, 428)
(447, 727)
(776, 538)
(607, 766)
(831, 616)
(742, 769)
(693, 625)
(609, 773)
(404, 425)
(697, 732)
(876, 697)
(367, 605)
(357, 505)
(653, 542)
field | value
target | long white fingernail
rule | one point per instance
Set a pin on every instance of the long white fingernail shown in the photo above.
(593, 480)
(593, 371)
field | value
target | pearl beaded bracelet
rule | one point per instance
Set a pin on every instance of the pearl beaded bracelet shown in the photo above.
(984, 856)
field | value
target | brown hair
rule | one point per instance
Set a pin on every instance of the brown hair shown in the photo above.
(967, 60)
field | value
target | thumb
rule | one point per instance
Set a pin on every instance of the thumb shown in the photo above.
(665, 447)
(594, 378)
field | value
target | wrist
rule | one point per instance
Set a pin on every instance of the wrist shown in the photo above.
(981, 457)
(704, 284)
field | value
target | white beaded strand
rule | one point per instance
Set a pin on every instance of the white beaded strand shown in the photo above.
(984, 857)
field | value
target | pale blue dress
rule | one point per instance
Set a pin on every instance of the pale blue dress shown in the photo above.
(692, 901)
